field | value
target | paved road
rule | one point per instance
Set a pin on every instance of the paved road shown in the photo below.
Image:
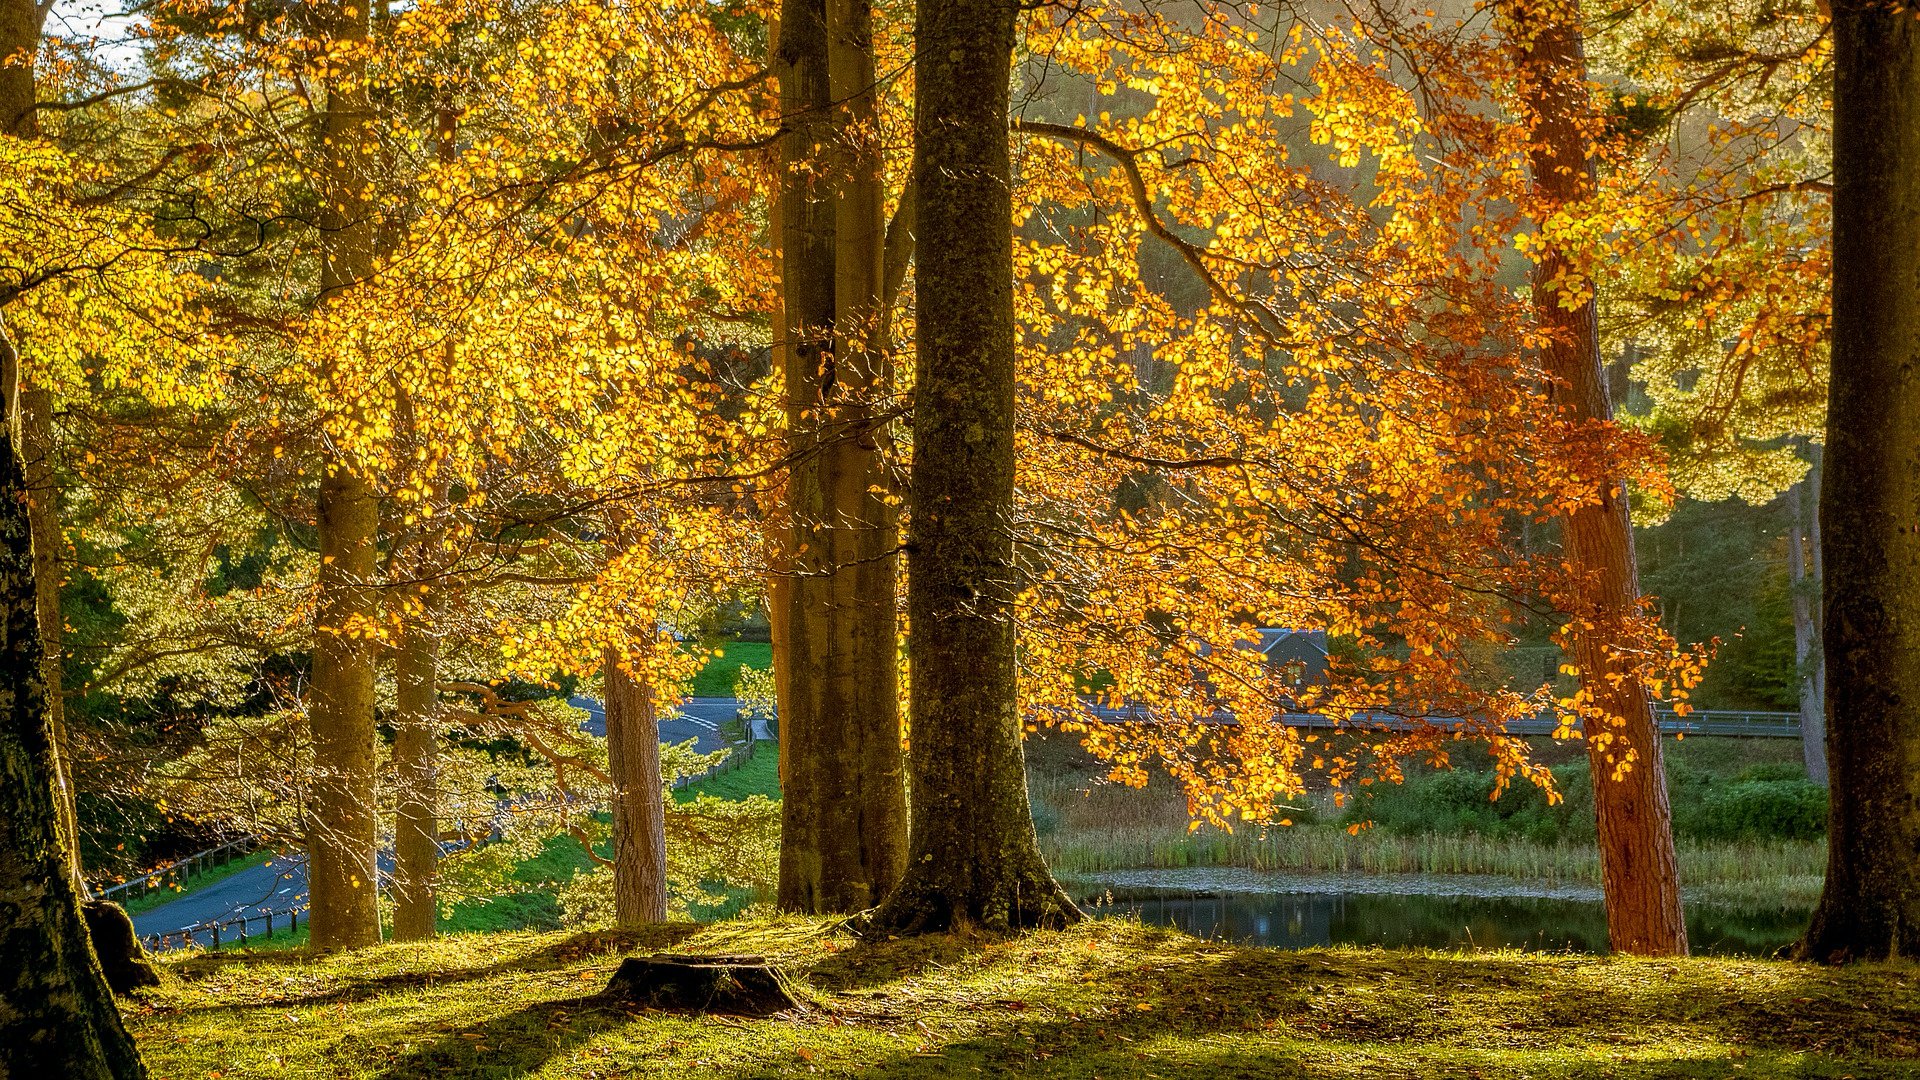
(282, 883)
(277, 886)
(697, 718)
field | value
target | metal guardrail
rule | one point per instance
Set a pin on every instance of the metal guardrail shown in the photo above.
(175, 872)
(190, 935)
(739, 755)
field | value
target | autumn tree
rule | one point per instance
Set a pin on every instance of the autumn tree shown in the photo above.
(973, 859)
(57, 1016)
(844, 836)
(1639, 873)
(1870, 906)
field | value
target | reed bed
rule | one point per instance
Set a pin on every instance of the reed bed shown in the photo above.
(1087, 829)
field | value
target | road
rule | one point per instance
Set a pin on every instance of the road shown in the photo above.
(696, 718)
(282, 883)
(277, 886)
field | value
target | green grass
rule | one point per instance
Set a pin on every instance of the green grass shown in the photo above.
(717, 678)
(1108, 999)
(759, 775)
(166, 894)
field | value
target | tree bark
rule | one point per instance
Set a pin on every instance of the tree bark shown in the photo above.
(342, 830)
(1639, 873)
(21, 22)
(975, 862)
(1808, 660)
(57, 1016)
(1870, 908)
(416, 767)
(36, 445)
(843, 838)
(639, 809)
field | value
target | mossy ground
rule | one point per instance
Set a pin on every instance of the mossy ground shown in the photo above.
(1109, 999)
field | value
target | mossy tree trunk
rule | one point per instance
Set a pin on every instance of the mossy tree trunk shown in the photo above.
(20, 27)
(57, 1015)
(974, 861)
(342, 830)
(1870, 498)
(843, 806)
(1639, 872)
(43, 495)
(639, 812)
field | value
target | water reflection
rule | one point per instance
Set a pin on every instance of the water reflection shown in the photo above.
(1304, 920)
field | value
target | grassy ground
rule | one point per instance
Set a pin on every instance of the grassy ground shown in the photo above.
(194, 882)
(760, 775)
(1109, 999)
(716, 679)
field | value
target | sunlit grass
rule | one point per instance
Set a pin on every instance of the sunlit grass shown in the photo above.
(1111, 999)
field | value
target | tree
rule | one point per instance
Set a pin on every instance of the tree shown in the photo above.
(416, 738)
(342, 833)
(57, 1016)
(843, 808)
(1805, 572)
(1870, 906)
(639, 822)
(1639, 873)
(973, 860)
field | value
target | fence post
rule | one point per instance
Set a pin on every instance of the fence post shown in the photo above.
(216, 935)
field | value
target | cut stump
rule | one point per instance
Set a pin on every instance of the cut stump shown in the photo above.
(738, 985)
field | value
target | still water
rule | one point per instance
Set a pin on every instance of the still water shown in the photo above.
(1295, 920)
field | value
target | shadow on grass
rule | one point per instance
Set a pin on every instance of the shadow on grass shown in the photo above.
(550, 956)
(513, 1044)
(1199, 1009)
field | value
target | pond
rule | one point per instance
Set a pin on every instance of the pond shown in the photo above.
(1413, 912)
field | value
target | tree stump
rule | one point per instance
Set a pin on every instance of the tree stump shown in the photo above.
(738, 985)
(122, 960)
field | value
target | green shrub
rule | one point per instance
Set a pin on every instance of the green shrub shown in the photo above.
(1772, 801)
(1765, 809)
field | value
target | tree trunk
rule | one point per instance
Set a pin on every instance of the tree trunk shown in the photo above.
(36, 445)
(1639, 874)
(21, 22)
(1870, 908)
(342, 830)
(1808, 660)
(843, 838)
(416, 767)
(639, 809)
(57, 1016)
(974, 861)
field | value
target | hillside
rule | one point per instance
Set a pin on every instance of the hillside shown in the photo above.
(1109, 999)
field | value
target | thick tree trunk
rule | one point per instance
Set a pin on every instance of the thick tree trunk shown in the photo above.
(416, 768)
(1639, 873)
(57, 1016)
(639, 809)
(974, 861)
(843, 838)
(1870, 908)
(1809, 662)
(342, 830)
(36, 445)
(20, 26)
